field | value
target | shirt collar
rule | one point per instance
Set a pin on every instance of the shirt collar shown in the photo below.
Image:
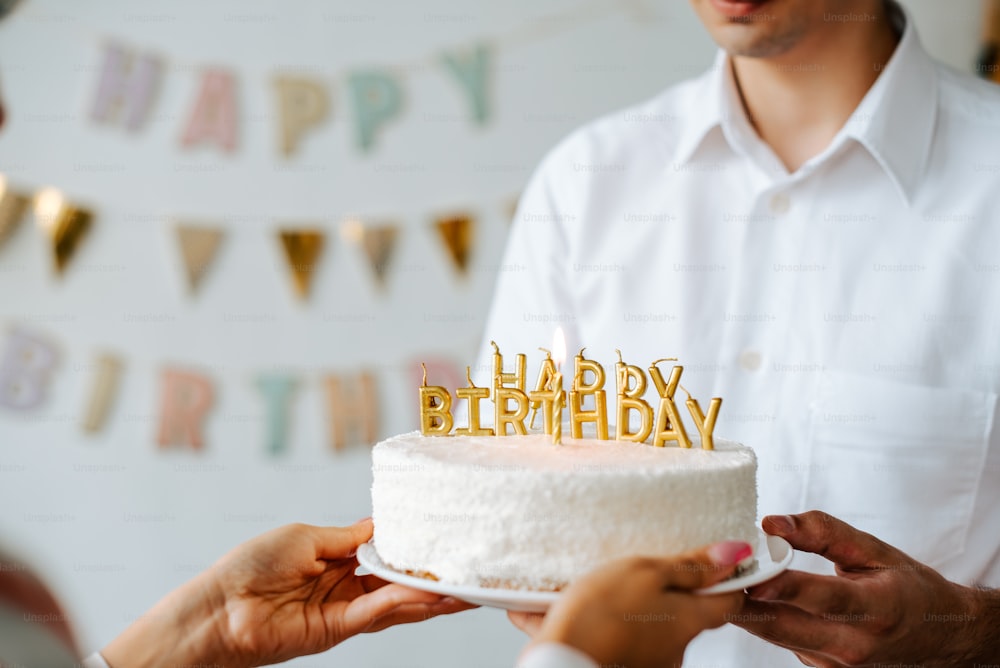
(704, 109)
(894, 121)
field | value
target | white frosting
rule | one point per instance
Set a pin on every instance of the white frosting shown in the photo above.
(517, 511)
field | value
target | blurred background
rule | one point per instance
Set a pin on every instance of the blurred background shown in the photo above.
(388, 140)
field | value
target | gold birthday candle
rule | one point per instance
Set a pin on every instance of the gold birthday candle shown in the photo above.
(515, 378)
(668, 419)
(580, 390)
(545, 401)
(505, 415)
(508, 387)
(473, 395)
(538, 396)
(435, 409)
(559, 355)
(630, 399)
(704, 423)
(557, 408)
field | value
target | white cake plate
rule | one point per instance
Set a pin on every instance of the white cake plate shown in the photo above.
(773, 556)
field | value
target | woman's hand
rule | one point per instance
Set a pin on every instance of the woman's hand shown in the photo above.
(289, 592)
(641, 612)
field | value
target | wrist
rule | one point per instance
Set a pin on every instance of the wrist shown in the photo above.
(184, 628)
(984, 645)
(561, 632)
(978, 639)
(537, 655)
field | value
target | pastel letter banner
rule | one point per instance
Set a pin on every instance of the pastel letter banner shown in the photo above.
(25, 368)
(102, 393)
(277, 392)
(378, 99)
(303, 248)
(302, 104)
(185, 401)
(213, 119)
(13, 206)
(353, 409)
(127, 86)
(472, 69)
(64, 225)
(198, 248)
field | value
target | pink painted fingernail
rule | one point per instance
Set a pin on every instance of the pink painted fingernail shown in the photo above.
(729, 553)
(781, 524)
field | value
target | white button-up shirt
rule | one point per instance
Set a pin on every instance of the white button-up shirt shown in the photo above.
(847, 313)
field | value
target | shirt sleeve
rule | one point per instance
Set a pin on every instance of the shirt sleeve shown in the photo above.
(555, 655)
(95, 660)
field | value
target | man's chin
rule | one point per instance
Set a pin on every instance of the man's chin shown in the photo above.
(746, 46)
(757, 40)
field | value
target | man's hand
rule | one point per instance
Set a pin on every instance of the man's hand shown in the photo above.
(641, 612)
(882, 607)
(287, 593)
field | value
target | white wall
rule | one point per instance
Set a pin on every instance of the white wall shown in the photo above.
(113, 522)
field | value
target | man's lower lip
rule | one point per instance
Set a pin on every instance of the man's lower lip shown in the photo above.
(737, 8)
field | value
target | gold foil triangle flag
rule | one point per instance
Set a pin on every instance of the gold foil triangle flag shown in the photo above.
(64, 225)
(377, 241)
(303, 248)
(199, 246)
(13, 206)
(456, 233)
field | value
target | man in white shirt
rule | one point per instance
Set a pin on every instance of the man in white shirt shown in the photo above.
(811, 227)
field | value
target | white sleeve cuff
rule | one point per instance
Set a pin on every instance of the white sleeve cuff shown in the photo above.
(95, 660)
(555, 655)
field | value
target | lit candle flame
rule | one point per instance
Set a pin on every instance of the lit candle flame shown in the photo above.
(559, 347)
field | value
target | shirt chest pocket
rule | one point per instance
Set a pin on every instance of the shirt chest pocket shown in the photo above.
(900, 461)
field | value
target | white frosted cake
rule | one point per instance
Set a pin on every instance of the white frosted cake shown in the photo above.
(520, 512)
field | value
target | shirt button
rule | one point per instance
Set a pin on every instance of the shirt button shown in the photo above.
(780, 203)
(750, 360)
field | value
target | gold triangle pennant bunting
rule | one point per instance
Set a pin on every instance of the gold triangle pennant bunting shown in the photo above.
(13, 206)
(457, 233)
(63, 223)
(303, 248)
(199, 246)
(378, 243)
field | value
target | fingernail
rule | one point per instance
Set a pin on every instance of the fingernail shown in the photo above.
(729, 553)
(781, 524)
(363, 520)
